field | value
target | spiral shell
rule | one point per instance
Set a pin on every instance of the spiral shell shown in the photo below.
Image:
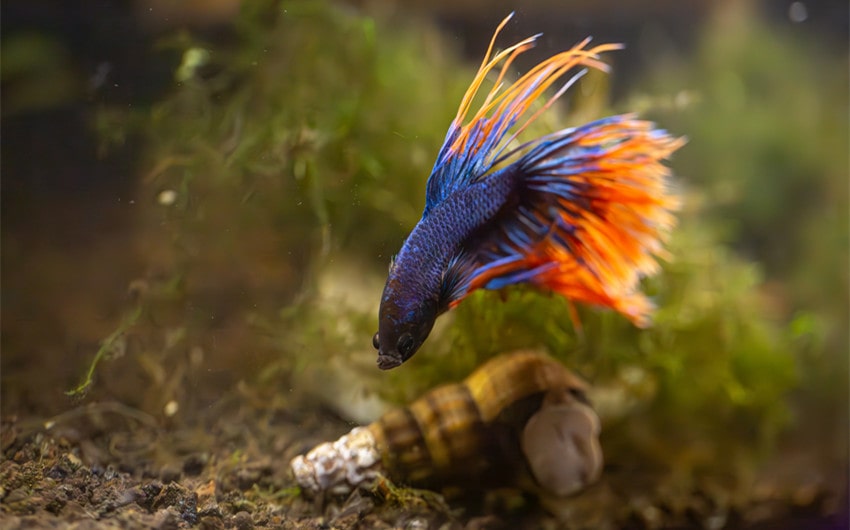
(521, 420)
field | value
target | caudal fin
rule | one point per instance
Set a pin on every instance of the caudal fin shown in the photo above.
(596, 207)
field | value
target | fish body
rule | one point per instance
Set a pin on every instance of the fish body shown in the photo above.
(582, 212)
(416, 291)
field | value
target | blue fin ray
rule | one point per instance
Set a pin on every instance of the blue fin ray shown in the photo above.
(471, 151)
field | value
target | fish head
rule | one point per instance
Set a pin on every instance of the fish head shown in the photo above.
(402, 328)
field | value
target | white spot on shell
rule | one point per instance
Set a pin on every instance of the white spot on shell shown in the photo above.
(339, 466)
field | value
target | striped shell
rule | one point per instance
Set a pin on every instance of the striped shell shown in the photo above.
(521, 419)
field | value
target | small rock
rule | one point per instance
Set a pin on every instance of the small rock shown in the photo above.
(167, 519)
(206, 491)
(210, 510)
(207, 503)
(74, 511)
(211, 523)
(175, 495)
(54, 504)
(16, 495)
(65, 467)
(134, 494)
(243, 521)
(10, 477)
(151, 490)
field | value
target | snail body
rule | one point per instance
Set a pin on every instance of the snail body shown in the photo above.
(521, 419)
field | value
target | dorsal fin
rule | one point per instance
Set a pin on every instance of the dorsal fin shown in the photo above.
(473, 146)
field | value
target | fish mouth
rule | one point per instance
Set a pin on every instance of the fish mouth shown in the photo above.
(386, 362)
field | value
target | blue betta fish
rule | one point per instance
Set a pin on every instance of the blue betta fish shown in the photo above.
(582, 211)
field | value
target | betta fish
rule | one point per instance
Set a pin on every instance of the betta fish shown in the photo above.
(582, 212)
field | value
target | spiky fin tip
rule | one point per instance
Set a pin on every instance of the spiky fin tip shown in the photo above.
(473, 146)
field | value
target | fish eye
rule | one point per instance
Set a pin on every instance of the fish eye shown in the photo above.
(375, 343)
(405, 344)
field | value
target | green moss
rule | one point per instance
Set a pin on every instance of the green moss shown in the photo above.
(328, 116)
(409, 499)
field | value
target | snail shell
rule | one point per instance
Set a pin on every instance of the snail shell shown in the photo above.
(521, 419)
